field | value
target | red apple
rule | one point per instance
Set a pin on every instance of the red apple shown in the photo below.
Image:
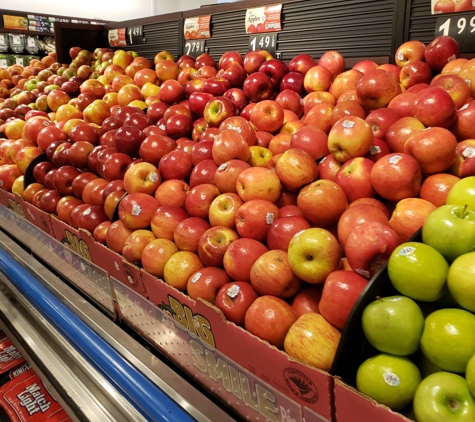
(409, 51)
(234, 299)
(164, 220)
(254, 218)
(354, 177)
(341, 290)
(137, 209)
(296, 168)
(376, 89)
(400, 131)
(156, 254)
(369, 246)
(135, 244)
(440, 51)
(175, 165)
(435, 188)
(258, 183)
(205, 283)
(258, 87)
(415, 73)
(188, 232)
(434, 107)
(328, 167)
(282, 230)
(223, 209)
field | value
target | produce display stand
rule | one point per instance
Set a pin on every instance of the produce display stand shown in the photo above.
(257, 381)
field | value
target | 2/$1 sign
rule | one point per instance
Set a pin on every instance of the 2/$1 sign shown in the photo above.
(239, 385)
(262, 25)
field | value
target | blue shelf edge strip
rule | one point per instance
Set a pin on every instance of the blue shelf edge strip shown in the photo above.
(152, 402)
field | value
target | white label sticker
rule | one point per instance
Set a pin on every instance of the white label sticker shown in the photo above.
(469, 82)
(269, 218)
(400, 55)
(374, 150)
(394, 159)
(233, 291)
(223, 166)
(408, 250)
(463, 107)
(196, 277)
(348, 124)
(391, 379)
(136, 210)
(153, 177)
(363, 273)
(469, 152)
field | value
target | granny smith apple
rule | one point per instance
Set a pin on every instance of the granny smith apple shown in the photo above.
(418, 271)
(461, 281)
(390, 380)
(451, 230)
(448, 339)
(393, 325)
(470, 374)
(444, 397)
(463, 193)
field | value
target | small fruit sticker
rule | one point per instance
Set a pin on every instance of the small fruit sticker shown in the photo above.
(391, 379)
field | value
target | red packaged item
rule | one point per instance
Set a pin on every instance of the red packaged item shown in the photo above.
(9, 354)
(25, 399)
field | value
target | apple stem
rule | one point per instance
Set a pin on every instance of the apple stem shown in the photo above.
(379, 298)
(464, 211)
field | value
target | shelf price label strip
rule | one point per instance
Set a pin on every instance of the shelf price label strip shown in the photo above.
(148, 399)
(196, 354)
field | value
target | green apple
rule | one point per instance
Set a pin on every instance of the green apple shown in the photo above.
(461, 281)
(31, 84)
(425, 365)
(418, 271)
(451, 230)
(444, 397)
(470, 374)
(463, 193)
(448, 339)
(393, 325)
(390, 380)
(314, 254)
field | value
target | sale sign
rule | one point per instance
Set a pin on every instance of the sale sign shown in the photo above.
(264, 19)
(197, 28)
(15, 22)
(452, 6)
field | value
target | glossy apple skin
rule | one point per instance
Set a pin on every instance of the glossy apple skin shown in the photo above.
(213, 244)
(270, 318)
(282, 230)
(234, 299)
(179, 268)
(313, 340)
(136, 210)
(164, 220)
(135, 244)
(340, 292)
(435, 188)
(436, 390)
(369, 246)
(205, 283)
(424, 107)
(306, 301)
(440, 51)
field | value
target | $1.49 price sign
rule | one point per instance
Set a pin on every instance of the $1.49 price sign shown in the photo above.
(266, 41)
(461, 27)
(194, 48)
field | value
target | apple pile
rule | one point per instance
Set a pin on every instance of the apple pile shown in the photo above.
(274, 191)
(426, 335)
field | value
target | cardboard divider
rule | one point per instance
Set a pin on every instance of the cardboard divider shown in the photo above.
(352, 406)
(82, 242)
(13, 202)
(39, 218)
(307, 386)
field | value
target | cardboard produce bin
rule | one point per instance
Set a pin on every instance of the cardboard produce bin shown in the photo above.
(213, 339)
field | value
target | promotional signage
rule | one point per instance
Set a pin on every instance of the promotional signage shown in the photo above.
(452, 6)
(117, 37)
(188, 339)
(40, 23)
(263, 19)
(261, 24)
(197, 28)
(15, 22)
(461, 27)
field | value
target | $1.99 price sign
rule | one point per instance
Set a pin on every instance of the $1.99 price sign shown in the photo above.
(461, 27)
(194, 48)
(266, 41)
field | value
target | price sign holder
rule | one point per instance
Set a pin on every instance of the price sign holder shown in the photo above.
(266, 41)
(135, 35)
(459, 26)
(195, 48)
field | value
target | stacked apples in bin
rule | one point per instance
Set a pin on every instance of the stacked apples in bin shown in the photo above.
(273, 190)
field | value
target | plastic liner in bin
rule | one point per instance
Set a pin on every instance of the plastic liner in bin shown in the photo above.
(17, 43)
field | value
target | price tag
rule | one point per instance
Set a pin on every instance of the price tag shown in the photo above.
(461, 27)
(266, 42)
(135, 35)
(195, 48)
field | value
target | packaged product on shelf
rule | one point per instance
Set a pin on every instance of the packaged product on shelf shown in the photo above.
(4, 60)
(20, 60)
(25, 398)
(32, 44)
(17, 42)
(47, 44)
(10, 357)
(4, 43)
